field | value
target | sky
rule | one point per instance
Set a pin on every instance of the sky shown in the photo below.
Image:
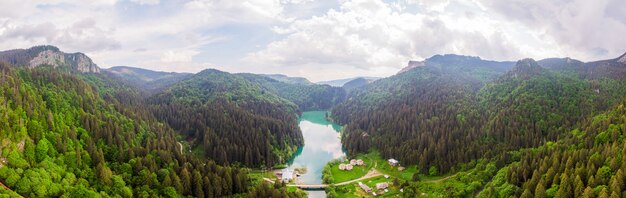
(319, 40)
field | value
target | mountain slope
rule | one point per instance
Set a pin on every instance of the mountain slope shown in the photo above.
(230, 119)
(151, 81)
(356, 83)
(287, 79)
(456, 109)
(62, 136)
(530, 105)
(306, 96)
(341, 82)
(49, 56)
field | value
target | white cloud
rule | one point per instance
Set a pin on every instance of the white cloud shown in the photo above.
(582, 29)
(146, 2)
(315, 39)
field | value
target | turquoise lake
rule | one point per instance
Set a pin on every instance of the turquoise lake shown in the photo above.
(322, 143)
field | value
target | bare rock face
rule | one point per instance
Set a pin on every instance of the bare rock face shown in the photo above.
(412, 64)
(81, 63)
(622, 59)
(48, 57)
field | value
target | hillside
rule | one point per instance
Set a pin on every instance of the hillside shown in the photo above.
(341, 82)
(151, 81)
(216, 110)
(306, 96)
(415, 115)
(60, 137)
(455, 111)
(287, 79)
(356, 83)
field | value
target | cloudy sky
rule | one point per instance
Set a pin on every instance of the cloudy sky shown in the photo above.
(319, 40)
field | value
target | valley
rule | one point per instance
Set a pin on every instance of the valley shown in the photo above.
(455, 126)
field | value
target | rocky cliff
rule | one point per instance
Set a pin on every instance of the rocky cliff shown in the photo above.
(50, 56)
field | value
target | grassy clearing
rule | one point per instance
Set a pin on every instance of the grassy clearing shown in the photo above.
(353, 190)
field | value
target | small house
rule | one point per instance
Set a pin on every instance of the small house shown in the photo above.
(365, 188)
(381, 186)
(393, 162)
(360, 162)
(342, 166)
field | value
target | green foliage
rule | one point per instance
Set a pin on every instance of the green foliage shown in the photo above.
(432, 171)
(218, 110)
(64, 136)
(307, 96)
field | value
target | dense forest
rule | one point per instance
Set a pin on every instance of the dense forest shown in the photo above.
(535, 122)
(306, 96)
(63, 135)
(232, 119)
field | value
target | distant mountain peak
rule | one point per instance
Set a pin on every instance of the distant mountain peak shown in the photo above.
(622, 59)
(288, 79)
(412, 64)
(525, 68)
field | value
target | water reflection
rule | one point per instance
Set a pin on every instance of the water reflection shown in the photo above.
(321, 144)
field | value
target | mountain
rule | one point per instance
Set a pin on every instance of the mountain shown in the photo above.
(411, 65)
(495, 106)
(356, 83)
(216, 110)
(525, 69)
(306, 96)
(49, 56)
(148, 80)
(341, 82)
(543, 129)
(287, 79)
(61, 135)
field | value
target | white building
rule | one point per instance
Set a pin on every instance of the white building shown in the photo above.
(393, 162)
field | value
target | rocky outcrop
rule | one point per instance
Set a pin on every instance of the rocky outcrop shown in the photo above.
(412, 64)
(81, 62)
(622, 59)
(526, 68)
(49, 56)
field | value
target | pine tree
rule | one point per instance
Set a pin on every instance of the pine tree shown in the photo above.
(185, 177)
(526, 194)
(540, 190)
(579, 186)
(604, 193)
(588, 193)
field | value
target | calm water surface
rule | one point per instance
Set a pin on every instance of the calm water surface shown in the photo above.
(321, 144)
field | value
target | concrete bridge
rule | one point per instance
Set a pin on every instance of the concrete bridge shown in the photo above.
(310, 186)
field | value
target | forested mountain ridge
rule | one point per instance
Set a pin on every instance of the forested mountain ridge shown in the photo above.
(151, 81)
(230, 119)
(288, 79)
(356, 83)
(51, 56)
(587, 162)
(471, 106)
(341, 82)
(306, 96)
(60, 137)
